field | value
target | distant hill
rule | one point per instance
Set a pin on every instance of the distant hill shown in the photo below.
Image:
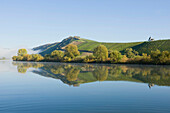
(85, 45)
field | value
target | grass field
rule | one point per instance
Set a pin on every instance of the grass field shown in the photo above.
(141, 47)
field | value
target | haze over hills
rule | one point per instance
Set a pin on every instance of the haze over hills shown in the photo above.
(8, 53)
(85, 45)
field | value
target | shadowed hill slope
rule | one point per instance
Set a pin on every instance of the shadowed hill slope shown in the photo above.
(44, 47)
(59, 45)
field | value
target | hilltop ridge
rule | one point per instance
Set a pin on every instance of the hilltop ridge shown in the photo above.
(89, 45)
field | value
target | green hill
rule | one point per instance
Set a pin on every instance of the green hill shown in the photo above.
(85, 45)
(90, 45)
(146, 47)
(59, 46)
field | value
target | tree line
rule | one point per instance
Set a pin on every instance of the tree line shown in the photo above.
(99, 55)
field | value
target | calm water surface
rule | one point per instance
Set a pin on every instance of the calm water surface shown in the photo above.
(83, 88)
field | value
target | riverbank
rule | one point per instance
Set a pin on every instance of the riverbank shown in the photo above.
(99, 55)
(99, 63)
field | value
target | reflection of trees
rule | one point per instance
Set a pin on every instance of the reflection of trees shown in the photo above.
(149, 74)
(87, 67)
(22, 67)
(58, 70)
(115, 71)
(75, 74)
(72, 73)
(156, 75)
(100, 73)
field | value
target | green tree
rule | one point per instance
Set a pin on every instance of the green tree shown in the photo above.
(37, 57)
(27, 57)
(14, 58)
(135, 52)
(164, 57)
(130, 53)
(115, 56)
(146, 58)
(22, 52)
(101, 53)
(20, 58)
(89, 58)
(57, 54)
(155, 56)
(72, 51)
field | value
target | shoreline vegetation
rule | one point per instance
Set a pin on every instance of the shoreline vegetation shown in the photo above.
(100, 55)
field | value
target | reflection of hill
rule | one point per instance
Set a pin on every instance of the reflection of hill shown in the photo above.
(75, 74)
(55, 76)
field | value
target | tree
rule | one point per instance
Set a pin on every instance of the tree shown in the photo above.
(89, 58)
(14, 58)
(72, 51)
(101, 53)
(22, 52)
(135, 52)
(155, 56)
(130, 53)
(160, 57)
(57, 54)
(27, 57)
(115, 56)
(37, 57)
(20, 58)
(47, 57)
(164, 58)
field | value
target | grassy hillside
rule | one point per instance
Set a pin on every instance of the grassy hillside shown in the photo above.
(141, 47)
(89, 45)
(147, 47)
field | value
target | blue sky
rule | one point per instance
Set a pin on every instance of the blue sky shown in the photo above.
(28, 23)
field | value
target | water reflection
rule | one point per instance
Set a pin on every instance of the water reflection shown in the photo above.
(76, 74)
